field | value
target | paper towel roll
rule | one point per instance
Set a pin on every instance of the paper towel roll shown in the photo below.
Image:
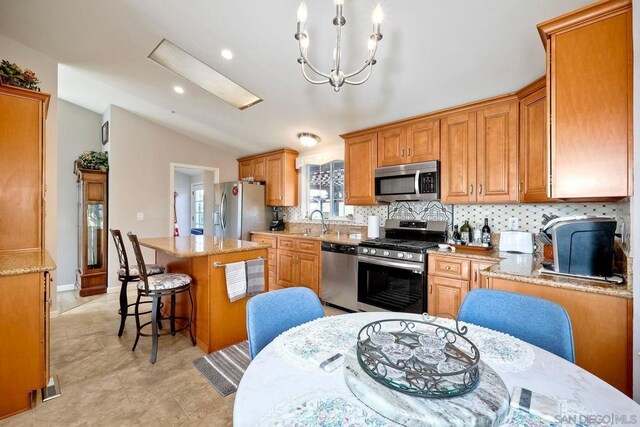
(374, 227)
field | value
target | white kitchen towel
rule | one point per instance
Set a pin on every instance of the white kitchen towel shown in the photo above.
(255, 276)
(236, 277)
(373, 231)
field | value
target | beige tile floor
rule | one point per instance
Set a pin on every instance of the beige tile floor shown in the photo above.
(104, 383)
(68, 300)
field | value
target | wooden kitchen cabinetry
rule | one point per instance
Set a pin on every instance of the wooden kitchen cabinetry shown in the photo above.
(589, 80)
(298, 263)
(417, 141)
(277, 169)
(360, 160)
(480, 154)
(450, 278)
(271, 279)
(533, 145)
(602, 328)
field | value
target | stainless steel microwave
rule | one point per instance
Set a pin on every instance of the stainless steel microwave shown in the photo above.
(417, 181)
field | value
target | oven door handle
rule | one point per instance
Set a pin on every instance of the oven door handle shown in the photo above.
(419, 267)
(417, 183)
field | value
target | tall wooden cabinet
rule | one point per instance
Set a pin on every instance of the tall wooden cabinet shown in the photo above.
(91, 276)
(22, 133)
(479, 149)
(590, 80)
(277, 169)
(360, 160)
(533, 145)
(24, 263)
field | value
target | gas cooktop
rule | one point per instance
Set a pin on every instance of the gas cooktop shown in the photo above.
(402, 244)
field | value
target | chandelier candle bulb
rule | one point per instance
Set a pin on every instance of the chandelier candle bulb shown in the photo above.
(377, 19)
(302, 13)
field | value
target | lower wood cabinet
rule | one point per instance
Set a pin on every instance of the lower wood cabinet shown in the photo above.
(24, 341)
(292, 262)
(450, 279)
(602, 328)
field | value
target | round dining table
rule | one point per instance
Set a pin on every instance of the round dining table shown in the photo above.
(285, 386)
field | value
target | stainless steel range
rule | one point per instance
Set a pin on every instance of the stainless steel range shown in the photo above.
(392, 271)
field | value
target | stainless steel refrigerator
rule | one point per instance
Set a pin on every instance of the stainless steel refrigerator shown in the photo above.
(239, 209)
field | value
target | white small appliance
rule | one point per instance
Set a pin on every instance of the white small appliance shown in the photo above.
(517, 241)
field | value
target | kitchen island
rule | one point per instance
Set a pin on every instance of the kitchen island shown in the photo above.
(217, 322)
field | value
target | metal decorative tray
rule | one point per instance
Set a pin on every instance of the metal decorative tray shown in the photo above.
(420, 358)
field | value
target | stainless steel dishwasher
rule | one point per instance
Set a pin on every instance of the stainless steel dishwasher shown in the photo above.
(340, 275)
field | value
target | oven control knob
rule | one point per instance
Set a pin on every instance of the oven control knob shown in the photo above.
(400, 255)
(385, 253)
(365, 250)
(409, 256)
(372, 252)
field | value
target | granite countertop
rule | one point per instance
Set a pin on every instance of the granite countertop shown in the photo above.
(14, 263)
(330, 237)
(194, 246)
(526, 268)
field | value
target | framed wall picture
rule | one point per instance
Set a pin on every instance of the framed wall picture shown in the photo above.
(105, 133)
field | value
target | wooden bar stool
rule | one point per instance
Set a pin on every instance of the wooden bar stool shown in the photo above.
(128, 274)
(155, 287)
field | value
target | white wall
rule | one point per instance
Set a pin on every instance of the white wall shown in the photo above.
(78, 131)
(182, 186)
(46, 69)
(140, 153)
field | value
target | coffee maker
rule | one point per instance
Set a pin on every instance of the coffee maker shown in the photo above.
(277, 224)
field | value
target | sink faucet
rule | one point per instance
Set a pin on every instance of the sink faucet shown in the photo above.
(324, 226)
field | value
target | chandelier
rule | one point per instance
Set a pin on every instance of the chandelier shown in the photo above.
(337, 77)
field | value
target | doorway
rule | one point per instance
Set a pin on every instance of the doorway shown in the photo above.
(191, 190)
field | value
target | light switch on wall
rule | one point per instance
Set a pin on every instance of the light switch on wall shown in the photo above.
(513, 223)
(140, 216)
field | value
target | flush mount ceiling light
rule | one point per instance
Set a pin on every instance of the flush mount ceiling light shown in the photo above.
(178, 89)
(226, 54)
(308, 139)
(171, 57)
(337, 77)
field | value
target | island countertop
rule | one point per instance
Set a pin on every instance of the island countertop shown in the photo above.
(195, 246)
(14, 263)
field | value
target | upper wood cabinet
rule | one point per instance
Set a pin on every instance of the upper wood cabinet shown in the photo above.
(423, 140)
(590, 76)
(479, 150)
(22, 133)
(533, 145)
(458, 151)
(417, 141)
(392, 146)
(360, 160)
(277, 169)
(497, 153)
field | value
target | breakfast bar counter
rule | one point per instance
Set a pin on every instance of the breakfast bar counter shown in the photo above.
(217, 322)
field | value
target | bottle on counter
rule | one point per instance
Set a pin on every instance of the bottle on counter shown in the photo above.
(486, 233)
(465, 233)
(456, 234)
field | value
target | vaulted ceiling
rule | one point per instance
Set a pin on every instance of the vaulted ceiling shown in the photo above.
(434, 54)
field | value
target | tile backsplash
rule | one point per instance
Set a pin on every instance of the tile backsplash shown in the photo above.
(529, 215)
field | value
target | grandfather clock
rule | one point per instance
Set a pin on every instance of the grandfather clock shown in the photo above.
(91, 276)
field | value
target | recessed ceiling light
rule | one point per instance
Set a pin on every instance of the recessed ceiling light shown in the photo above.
(178, 89)
(171, 57)
(308, 139)
(226, 54)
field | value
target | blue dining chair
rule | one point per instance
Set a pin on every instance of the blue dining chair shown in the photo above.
(535, 320)
(272, 313)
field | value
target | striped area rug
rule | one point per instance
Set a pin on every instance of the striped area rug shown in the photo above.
(224, 368)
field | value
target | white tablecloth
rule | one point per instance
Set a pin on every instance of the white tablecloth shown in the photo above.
(284, 381)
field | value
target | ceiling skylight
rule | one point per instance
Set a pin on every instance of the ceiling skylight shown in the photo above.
(197, 72)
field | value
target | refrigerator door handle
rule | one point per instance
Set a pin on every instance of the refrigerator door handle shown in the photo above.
(223, 211)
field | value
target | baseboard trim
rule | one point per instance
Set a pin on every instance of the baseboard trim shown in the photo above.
(65, 288)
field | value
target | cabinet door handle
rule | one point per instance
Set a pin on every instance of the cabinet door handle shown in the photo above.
(480, 189)
(471, 189)
(521, 187)
(402, 153)
(447, 267)
(475, 277)
(408, 152)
